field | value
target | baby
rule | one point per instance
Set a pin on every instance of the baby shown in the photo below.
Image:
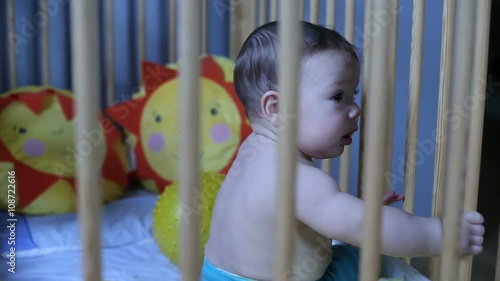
(242, 235)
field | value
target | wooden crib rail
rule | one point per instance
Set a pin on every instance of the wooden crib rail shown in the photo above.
(413, 105)
(85, 72)
(455, 181)
(12, 47)
(189, 166)
(375, 156)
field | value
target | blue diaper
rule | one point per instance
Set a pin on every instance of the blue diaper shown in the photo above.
(344, 267)
(209, 272)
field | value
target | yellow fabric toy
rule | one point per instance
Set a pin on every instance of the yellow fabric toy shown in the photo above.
(37, 142)
(151, 120)
(167, 215)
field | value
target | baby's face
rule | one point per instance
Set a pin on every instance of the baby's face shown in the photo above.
(328, 111)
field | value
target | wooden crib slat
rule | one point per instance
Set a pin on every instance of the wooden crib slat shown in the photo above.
(204, 26)
(314, 11)
(243, 22)
(331, 6)
(142, 35)
(45, 43)
(301, 9)
(345, 159)
(262, 12)
(85, 69)
(172, 34)
(441, 153)
(110, 50)
(189, 166)
(367, 56)
(274, 10)
(455, 178)
(290, 60)
(414, 105)
(12, 46)
(377, 120)
(478, 95)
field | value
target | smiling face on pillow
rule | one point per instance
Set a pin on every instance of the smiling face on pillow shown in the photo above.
(37, 142)
(153, 120)
(220, 128)
(43, 140)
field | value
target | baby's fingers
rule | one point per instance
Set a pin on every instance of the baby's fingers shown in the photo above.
(474, 217)
(477, 240)
(476, 250)
(477, 229)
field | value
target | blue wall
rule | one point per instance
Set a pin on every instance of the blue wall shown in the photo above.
(29, 64)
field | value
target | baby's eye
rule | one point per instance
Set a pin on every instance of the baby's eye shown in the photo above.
(158, 118)
(338, 97)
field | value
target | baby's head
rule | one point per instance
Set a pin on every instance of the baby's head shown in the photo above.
(328, 79)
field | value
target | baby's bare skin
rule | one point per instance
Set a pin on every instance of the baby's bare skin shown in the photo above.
(242, 235)
(243, 225)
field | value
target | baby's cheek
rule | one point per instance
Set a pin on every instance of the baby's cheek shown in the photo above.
(220, 133)
(34, 148)
(156, 142)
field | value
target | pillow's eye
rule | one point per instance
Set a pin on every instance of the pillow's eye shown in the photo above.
(22, 130)
(158, 118)
(214, 111)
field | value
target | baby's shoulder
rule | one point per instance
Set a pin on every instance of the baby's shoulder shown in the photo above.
(312, 177)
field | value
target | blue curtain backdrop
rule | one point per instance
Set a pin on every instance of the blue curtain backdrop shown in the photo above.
(29, 70)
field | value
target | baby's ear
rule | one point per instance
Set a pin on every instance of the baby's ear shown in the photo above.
(269, 106)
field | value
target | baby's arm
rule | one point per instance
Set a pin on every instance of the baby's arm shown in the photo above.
(339, 216)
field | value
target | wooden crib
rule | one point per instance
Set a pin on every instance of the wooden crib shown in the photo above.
(464, 40)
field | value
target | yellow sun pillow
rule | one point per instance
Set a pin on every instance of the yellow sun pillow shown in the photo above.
(37, 143)
(151, 120)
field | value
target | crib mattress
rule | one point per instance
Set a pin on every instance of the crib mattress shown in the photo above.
(48, 247)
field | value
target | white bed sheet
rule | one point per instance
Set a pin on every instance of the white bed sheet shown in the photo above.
(140, 261)
(52, 250)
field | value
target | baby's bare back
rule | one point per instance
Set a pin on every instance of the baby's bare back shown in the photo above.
(242, 237)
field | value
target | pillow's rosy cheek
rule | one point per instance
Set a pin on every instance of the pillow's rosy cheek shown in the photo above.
(220, 133)
(34, 147)
(156, 142)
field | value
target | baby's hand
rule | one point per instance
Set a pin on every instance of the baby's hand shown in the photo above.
(392, 197)
(471, 236)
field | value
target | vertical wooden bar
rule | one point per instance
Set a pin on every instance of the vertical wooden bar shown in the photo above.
(349, 35)
(274, 10)
(441, 153)
(376, 154)
(290, 34)
(204, 26)
(313, 11)
(45, 43)
(331, 6)
(85, 69)
(189, 166)
(455, 178)
(110, 46)
(172, 31)
(242, 24)
(301, 5)
(413, 105)
(326, 164)
(262, 12)
(478, 96)
(367, 36)
(142, 35)
(12, 44)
